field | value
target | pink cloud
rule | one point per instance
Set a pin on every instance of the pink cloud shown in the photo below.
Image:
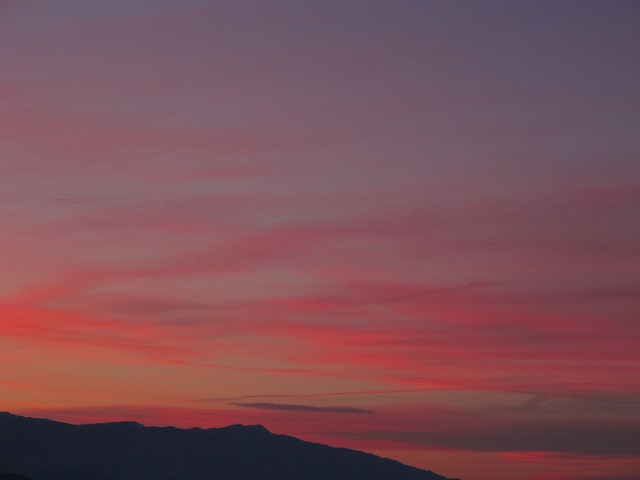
(305, 200)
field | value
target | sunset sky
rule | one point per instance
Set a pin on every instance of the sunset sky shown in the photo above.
(408, 227)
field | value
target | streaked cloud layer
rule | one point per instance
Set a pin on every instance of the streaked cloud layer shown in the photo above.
(294, 214)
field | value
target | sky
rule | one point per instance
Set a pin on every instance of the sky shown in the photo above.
(407, 227)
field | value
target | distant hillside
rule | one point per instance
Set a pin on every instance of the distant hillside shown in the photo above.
(48, 450)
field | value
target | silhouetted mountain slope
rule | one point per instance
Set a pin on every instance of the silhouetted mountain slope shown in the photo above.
(48, 450)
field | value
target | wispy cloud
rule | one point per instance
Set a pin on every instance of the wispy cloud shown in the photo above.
(314, 395)
(288, 407)
(347, 203)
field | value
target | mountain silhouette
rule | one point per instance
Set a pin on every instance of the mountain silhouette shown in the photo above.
(48, 450)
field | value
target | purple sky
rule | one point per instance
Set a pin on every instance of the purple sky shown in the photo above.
(407, 227)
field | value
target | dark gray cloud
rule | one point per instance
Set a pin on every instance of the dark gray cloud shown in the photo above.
(315, 395)
(302, 408)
